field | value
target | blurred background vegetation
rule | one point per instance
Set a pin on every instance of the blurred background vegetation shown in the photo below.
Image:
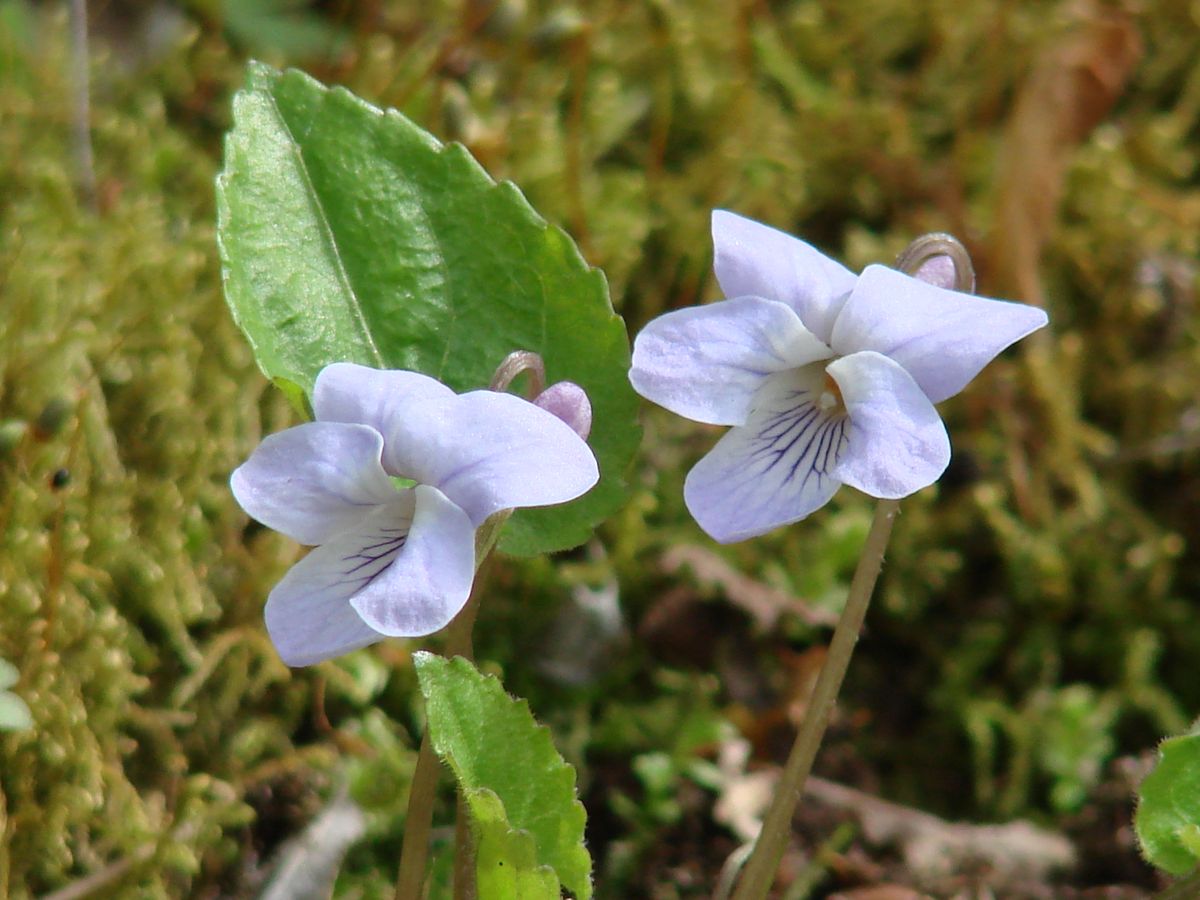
(1036, 629)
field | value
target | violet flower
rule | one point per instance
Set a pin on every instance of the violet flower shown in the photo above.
(390, 483)
(827, 377)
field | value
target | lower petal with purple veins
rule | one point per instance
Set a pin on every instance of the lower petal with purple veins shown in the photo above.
(309, 614)
(416, 588)
(778, 467)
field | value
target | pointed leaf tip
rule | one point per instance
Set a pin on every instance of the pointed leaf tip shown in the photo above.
(349, 234)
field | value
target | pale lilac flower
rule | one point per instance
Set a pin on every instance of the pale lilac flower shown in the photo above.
(827, 377)
(389, 483)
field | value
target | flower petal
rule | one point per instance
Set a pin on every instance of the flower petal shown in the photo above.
(489, 451)
(707, 362)
(309, 616)
(942, 338)
(429, 579)
(754, 260)
(346, 392)
(775, 469)
(313, 481)
(897, 442)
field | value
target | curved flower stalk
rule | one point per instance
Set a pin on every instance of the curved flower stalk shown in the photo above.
(390, 483)
(827, 378)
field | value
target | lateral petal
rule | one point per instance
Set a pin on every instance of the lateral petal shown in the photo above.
(706, 363)
(314, 480)
(897, 442)
(489, 451)
(755, 260)
(428, 580)
(774, 470)
(942, 338)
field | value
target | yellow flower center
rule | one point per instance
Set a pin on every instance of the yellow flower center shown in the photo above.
(831, 395)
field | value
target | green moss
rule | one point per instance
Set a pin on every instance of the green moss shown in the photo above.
(1050, 578)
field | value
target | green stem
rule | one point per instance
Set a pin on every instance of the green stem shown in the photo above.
(417, 823)
(1184, 889)
(464, 854)
(459, 643)
(777, 826)
(419, 818)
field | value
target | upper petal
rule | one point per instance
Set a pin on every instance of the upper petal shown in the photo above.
(942, 338)
(777, 468)
(707, 362)
(309, 616)
(429, 579)
(314, 480)
(347, 392)
(489, 451)
(897, 442)
(752, 259)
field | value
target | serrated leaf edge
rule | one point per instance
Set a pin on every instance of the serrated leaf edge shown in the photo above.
(578, 810)
(259, 76)
(1147, 852)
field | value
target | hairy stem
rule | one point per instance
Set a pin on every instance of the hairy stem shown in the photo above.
(417, 823)
(777, 826)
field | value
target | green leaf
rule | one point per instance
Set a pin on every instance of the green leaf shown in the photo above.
(350, 234)
(492, 742)
(1168, 813)
(506, 866)
(14, 714)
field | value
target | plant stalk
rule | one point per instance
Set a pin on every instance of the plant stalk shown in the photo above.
(419, 818)
(760, 869)
(418, 822)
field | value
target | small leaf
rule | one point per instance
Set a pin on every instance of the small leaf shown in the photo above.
(1168, 813)
(506, 866)
(350, 234)
(492, 742)
(14, 714)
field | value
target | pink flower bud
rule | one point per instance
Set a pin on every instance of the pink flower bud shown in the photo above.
(569, 402)
(938, 271)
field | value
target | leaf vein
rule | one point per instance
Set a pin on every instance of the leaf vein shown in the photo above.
(354, 303)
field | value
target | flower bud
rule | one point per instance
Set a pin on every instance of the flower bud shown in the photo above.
(939, 259)
(938, 271)
(569, 402)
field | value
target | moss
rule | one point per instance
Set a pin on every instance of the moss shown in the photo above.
(167, 732)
